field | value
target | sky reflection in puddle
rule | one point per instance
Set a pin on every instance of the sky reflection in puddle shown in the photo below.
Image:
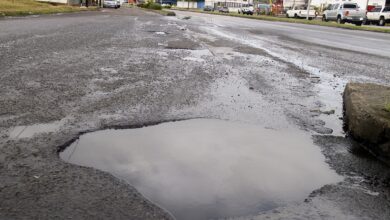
(207, 168)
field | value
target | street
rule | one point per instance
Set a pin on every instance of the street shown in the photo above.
(67, 74)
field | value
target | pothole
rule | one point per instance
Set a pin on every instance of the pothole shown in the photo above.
(208, 168)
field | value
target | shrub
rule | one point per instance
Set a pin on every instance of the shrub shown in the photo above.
(171, 13)
(141, 5)
(150, 5)
(387, 107)
(154, 6)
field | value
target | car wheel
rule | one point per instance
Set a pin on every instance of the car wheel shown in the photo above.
(310, 18)
(358, 23)
(382, 21)
(287, 15)
(324, 18)
(340, 21)
(295, 16)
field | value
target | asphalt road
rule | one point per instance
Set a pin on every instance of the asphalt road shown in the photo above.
(359, 41)
(62, 75)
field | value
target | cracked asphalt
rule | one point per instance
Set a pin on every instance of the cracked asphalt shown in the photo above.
(64, 75)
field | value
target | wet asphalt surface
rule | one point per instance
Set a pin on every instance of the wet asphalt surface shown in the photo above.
(128, 68)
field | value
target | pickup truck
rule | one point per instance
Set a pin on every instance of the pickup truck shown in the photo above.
(379, 15)
(345, 12)
(301, 12)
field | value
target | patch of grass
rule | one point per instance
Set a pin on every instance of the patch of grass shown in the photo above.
(387, 107)
(29, 7)
(293, 20)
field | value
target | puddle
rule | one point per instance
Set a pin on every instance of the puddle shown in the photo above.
(206, 168)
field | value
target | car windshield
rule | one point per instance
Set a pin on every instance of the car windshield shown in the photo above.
(386, 9)
(350, 6)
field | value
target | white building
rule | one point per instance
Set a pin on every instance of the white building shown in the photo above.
(55, 1)
(70, 2)
(292, 3)
(233, 5)
(362, 3)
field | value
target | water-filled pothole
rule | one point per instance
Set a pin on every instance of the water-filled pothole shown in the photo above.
(206, 168)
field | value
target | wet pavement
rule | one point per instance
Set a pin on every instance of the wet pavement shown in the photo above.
(65, 75)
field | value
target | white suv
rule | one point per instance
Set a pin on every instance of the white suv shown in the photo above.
(380, 15)
(246, 9)
(111, 4)
(301, 12)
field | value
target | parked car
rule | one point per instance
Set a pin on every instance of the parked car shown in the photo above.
(111, 4)
(246, 9)
(379, 15)
(301, 12)
(263, 9)
(345, 12)
(208, 8)
(223, 9)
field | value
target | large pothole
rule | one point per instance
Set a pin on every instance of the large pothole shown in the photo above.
(207, 168)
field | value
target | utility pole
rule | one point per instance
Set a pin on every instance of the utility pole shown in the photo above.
(367, 5)
(308, 9)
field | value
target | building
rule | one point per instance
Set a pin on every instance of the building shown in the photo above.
(233, 5)
(70, 2)
(362, 3)
(292, 3)
(167, 2)
(55, 1)
(323, 3)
